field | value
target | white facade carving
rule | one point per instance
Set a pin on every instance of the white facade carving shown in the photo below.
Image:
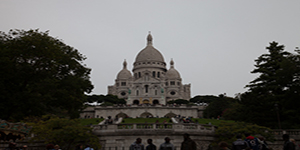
(150, 82)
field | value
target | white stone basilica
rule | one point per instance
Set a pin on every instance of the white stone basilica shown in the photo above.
(151, 82)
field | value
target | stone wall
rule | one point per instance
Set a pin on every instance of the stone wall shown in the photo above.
(121, 136)
(142, 110)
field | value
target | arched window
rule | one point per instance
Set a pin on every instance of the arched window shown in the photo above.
(153, 74)
(139, 74)
(155, 102)
(146, 77)
(146, 88)
(137, 92)
(136, 102)
(158, 74)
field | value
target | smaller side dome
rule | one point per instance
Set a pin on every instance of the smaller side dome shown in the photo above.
(172, 73)
(124, 73)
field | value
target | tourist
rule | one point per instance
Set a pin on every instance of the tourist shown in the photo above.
(88, 147)
(252, 142)
(11, 146)
(79, 147)
(151, 146)
(297, 146)
(263, 143)
(239, 144)
(56, 147)
(50, 147)
(223, 145)
(137, 145)
(167, 145)
(24, 147)
(288, 145)
(165, 124)
(188, 143)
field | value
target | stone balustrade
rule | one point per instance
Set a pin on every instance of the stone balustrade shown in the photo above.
(155, 126)
(291, 132)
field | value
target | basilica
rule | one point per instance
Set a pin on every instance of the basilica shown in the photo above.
(150, 82)
(147, 89)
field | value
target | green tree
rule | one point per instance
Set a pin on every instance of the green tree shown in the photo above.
(233, 111)
(40, 75)
(277, 84)
(217, 107)
(289, 105)
(203, 99)
(178, 101)
(67, 133)
(270, 68)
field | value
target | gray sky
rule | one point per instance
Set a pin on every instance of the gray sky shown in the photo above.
(213, 43)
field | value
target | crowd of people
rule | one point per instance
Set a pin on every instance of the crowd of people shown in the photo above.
(13, 146)
(187, 144)
(257, 143)
(249, 143)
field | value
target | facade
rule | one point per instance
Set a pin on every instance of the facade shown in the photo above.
(150, 81)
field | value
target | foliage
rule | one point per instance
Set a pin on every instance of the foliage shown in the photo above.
(227, 131)
(178, 101)
(269, 66)
(203, 99)
(217, 106)
(215, 122)
(106, 99)
(275, 91)
(233, 111)
(67, 133)
(40, 75)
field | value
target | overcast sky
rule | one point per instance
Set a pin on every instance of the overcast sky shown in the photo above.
(213, 42)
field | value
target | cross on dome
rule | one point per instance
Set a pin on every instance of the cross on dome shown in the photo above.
(149, 38)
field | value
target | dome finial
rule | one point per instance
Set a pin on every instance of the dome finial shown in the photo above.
(172, 63)
(149, 39)
(124, 64)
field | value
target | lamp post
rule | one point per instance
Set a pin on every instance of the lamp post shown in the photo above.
(278, 118)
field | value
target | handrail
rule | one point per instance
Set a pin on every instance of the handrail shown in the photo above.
(156, 126)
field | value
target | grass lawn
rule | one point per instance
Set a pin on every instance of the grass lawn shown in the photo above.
(94, 121)
(91, 121)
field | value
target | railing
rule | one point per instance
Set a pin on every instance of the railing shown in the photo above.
(291, 132)
(156, 126)
(158, 105)
(144, 126)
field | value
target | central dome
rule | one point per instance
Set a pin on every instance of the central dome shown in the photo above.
(149, 53)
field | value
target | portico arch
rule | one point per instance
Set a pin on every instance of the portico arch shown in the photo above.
(155, 102)
(136, 102)
(145, 101)
(121, 114)
(170, 115)
(146, 114)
